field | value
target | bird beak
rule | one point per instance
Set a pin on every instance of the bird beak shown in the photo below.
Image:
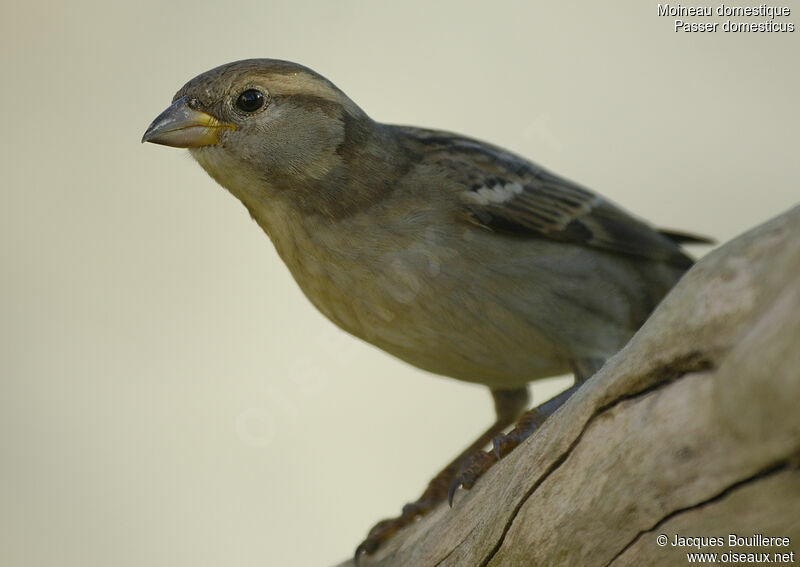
(181, 126)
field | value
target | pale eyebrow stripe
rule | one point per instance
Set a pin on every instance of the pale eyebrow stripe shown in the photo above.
(300, 83)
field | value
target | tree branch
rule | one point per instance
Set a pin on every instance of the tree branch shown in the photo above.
(693, 429)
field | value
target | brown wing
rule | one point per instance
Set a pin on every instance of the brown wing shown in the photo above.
(506, 193)
(549, 206)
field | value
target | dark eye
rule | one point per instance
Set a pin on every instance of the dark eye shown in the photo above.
(250, 100)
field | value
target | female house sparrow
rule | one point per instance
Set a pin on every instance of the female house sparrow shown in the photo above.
(454, 255)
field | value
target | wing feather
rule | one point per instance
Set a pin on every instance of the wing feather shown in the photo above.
(506, 193)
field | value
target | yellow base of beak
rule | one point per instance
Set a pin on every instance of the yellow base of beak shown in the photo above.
(181, 126)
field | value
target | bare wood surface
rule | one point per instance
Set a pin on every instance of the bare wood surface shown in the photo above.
(692, 430)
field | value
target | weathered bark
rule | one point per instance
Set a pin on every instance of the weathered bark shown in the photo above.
(693, 429)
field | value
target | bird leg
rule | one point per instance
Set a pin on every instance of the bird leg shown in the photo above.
(473, 468)
(508, 404)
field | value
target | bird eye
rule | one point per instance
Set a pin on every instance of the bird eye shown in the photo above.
(250, 100)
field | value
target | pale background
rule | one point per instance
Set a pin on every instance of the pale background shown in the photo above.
(167, 395)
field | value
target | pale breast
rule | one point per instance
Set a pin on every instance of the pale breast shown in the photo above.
(422, 293)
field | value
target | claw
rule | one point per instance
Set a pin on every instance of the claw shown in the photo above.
(502, 445)
(451, 492)
(362, 548)
(496, 448)
(368, 546)
(385, 529)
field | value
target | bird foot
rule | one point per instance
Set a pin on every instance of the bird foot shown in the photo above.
(385, 529)
(465, 469)
(472, 470)
(435, 492)
(477, 465)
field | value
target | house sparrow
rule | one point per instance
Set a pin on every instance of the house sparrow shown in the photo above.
(454, 255)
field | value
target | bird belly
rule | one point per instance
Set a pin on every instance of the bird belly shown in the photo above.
(465, 305)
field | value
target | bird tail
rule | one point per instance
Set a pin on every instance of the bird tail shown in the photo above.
(685, 237)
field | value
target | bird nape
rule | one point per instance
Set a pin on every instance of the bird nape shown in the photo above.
(452, 254)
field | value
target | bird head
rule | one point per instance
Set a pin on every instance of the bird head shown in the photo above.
(263, 125)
